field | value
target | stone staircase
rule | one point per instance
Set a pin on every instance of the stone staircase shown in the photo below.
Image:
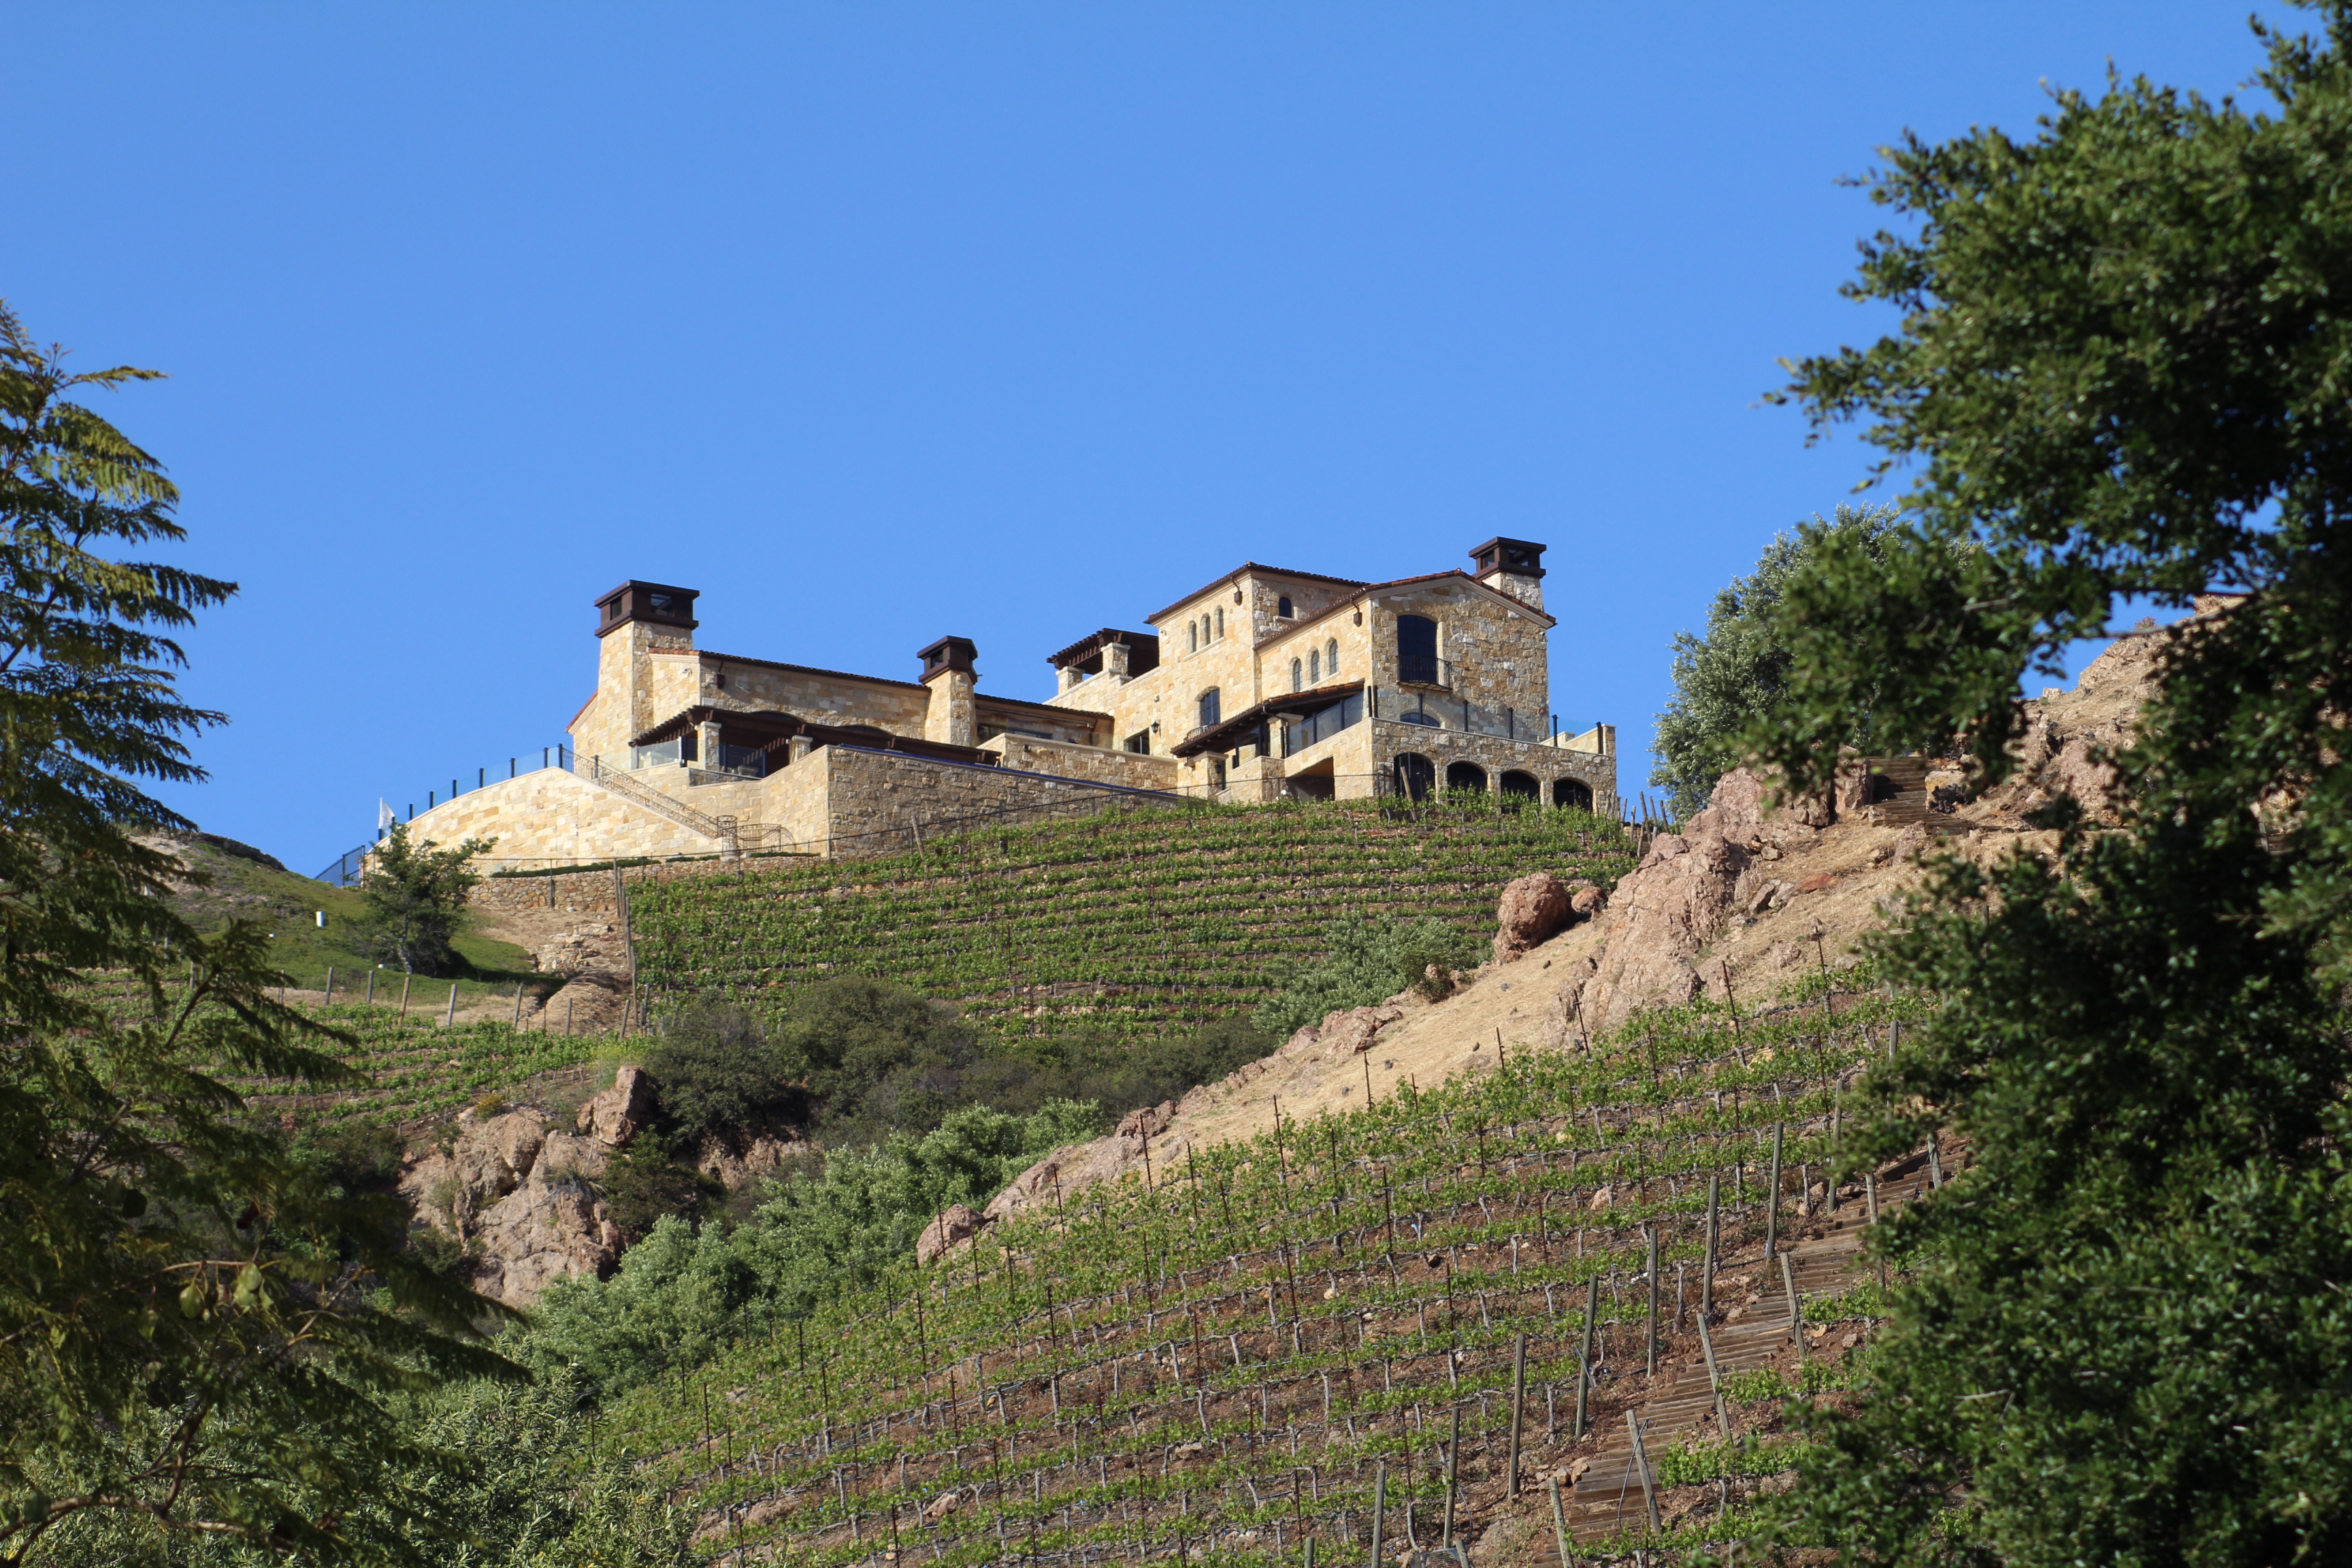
(1609, 1496)
(652, 800)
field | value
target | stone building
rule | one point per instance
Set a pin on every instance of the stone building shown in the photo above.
(1260, 686)
(1268, 683)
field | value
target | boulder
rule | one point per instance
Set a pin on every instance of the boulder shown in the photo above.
(1351, 1033)
(1534, 910)
(737, 1164)
(1585, 900)
(1142, 1126)
(622, 1110)
(521, 1195)
(954, 1226)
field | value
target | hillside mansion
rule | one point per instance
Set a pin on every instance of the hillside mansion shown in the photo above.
(1260, 686)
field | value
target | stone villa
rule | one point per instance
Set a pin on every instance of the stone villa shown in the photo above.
(1260, 685)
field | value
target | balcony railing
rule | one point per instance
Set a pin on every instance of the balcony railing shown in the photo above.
(1425, 670)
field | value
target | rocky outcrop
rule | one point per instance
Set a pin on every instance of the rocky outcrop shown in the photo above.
(1534, 910)
(954, 1226)
(1351, 1033)
(622, 1110)
(1665, 911)
(736, 1164)
(521, 1195)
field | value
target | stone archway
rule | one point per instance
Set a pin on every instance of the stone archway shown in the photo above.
(1416, 775)
(1572, 792)
(1466, 775)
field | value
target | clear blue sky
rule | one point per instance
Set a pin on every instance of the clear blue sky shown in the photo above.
(879, 322)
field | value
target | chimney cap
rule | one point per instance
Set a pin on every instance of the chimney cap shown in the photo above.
(662, 604)
(948, 653)
(1513, 557)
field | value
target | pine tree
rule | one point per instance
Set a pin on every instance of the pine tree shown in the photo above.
(198, 1335)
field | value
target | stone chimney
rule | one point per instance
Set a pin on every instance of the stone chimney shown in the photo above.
(947, 670)
(632, 621)
(1513, 566)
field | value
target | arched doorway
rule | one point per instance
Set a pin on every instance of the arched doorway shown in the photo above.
(1416, 775)
(1572, 792)
(1466, 775)
(1517, 786)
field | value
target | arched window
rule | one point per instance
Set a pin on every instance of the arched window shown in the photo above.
(1331, 656)
(1572, 792)
(1209, 707)
(1282, 606)
(1192, 637)
(1466, 775)
(1517, 786)
(1315, 666)
(1296, 684)
(1417, 649)
(1221, 624)
(1416, 775)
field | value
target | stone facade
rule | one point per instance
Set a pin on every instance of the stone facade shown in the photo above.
(1262, 685)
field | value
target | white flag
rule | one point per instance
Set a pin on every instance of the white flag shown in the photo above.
(383, 815)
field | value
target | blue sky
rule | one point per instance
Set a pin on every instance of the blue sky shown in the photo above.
(882, 323)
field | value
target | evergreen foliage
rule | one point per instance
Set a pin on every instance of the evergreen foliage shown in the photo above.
(2122, 372)
(415, 897)
(199, 1334)
(1726, 679)
(1367, 961)
(682, 1292)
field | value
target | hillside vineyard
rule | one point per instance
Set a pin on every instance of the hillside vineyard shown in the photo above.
(1151, 918)
(1347, 1330)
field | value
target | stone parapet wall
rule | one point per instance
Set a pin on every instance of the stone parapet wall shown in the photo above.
(554, 817)
(879, 803)
(1129, 770)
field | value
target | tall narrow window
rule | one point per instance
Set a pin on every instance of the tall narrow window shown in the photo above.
(1417, 649)
(1282, 606)
(1221, 623)
(1209, 707)
(1296, 683)
(1331, 656)
(1192, 637)
(1315, 666)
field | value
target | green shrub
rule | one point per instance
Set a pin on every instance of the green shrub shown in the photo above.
(1370, 960)
(717, 1071)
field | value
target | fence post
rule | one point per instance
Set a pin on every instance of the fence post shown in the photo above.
(1558, 1517)
(1453, 1471)
(1584, 1355)
(1379, 1506)
(1772, 1196)
(1518, 1404)
(1796, 1307)
(1713, 1223)
(330, 999)
(452, 1018)
(1650, 1236)
(1642, 1463)
(1714, 1378)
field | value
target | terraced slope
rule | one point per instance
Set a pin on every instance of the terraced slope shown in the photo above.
(414, 1072)
(1152, 918)
(1270, 1341)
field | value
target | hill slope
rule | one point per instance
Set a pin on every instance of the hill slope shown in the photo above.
(1231, 1348)
(1151, 919)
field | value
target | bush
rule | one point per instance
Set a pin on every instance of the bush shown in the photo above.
(359, 1156)
(1370, 960)
(417, 901)
(642, 1184)
(682, 1292)
(1733, 675)
(717, 1072)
